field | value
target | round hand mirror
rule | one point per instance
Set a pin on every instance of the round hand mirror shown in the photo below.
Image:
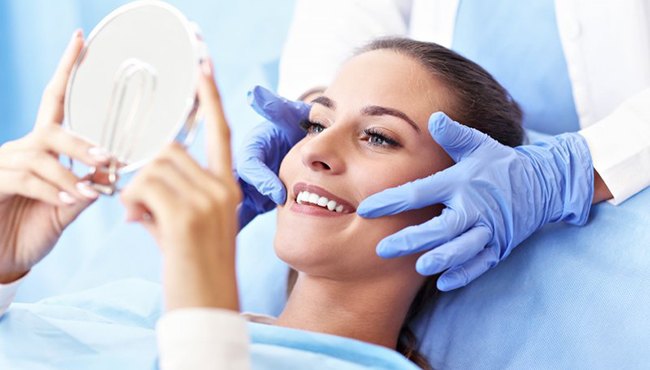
(133, 88)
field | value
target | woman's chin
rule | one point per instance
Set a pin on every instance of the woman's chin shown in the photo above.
(307, 252)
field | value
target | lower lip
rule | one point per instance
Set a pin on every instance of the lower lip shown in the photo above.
(315, 210)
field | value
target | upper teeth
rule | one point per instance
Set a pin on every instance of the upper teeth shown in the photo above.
(307, 197)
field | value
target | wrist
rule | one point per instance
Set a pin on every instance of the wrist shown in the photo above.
(200, 281)
(573, 161)
(601, 191)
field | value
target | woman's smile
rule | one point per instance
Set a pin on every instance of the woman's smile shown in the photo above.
(314, 200)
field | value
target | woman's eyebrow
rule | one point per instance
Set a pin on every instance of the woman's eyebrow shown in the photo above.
(375, 110)
(371, 110)
(325, 101)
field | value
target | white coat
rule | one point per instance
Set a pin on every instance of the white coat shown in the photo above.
(606, 44)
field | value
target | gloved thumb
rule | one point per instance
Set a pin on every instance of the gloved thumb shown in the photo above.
(281, 111)
(457, 140)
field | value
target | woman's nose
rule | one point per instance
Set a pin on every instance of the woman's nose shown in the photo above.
(324, 152)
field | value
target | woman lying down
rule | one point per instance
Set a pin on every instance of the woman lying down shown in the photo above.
(370, 130)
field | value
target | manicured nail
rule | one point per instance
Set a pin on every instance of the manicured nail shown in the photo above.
(78, 33)
(87, 191)
(66, 198)
(206, 67)
(99, 154)
(128, 217)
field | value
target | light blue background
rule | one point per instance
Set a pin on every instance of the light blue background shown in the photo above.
(245, 40)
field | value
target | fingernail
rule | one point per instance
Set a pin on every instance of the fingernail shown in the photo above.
(206, 67)
(66, 198)
(99, 154)
(76, 34)
(87, 191)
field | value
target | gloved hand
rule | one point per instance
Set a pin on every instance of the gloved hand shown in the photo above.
(495, 197)
(258, 162)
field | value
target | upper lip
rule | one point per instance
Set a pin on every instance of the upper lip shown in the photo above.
(301, 186)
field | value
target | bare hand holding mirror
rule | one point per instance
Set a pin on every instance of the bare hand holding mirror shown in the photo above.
(133, 89)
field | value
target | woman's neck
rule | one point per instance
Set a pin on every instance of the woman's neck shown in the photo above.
(370, 311)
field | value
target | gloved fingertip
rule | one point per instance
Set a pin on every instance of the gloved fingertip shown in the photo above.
(437, 122)
(273, 188)
(364, 211)
(254, 94)
(422, 267)
(385, 250)
(450, 280)
(374, 207)
(258, 97)
(279, 197)
(428, 265)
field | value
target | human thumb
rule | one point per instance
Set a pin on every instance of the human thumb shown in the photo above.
(67, 214)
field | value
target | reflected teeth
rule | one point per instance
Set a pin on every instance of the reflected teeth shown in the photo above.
(307, 197)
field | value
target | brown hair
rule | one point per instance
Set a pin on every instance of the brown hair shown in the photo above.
(478, 101)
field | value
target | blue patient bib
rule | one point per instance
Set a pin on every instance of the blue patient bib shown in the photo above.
(519, 44)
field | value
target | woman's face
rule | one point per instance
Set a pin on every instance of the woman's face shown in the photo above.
(368, 132)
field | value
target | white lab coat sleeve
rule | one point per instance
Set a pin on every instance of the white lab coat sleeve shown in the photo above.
(202, 339)
(7, 294)
(620, 147)
(324, 33)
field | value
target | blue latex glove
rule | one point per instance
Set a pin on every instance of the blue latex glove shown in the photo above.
(258, 161)
(495, 197)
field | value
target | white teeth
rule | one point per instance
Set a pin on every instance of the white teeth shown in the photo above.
(302, 197)
(307, 197)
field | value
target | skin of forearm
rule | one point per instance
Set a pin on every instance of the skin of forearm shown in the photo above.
(601, 191)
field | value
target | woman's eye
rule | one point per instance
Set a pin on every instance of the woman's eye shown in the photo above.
(377, 138)
(311, 127)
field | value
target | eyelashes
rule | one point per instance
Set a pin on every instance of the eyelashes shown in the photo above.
(311, 127)
(378, 138)
(374, 136)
